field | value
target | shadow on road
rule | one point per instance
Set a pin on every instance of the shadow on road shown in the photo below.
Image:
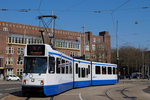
(147, 90)
(28, 95)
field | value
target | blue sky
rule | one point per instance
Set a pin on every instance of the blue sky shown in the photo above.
(72, 14)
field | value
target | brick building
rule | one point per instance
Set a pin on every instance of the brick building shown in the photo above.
(14, 37)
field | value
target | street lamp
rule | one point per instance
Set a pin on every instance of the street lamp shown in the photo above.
(124, 72)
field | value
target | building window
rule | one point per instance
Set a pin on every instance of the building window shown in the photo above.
(19, 61)
(78, 54)
(72, 54)
(9, 61)
(9, 39)
(93, 47)
(87, 56)
(16, 40)
(94, 39)
(5, 29)
(10, 71)
(1, 62)
(20, 51)
(19, 71)
(93, 56)
(25, 41)
(13, 39)
(9, 50)
(87, 48)
(101, 55)
(66, 44)
(29, 41)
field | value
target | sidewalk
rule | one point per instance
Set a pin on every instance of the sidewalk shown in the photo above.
(132, 80)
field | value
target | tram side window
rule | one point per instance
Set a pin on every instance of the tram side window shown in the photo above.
(88, 69)
(79, 73)
(103, 70)
(67, 67)
(83, 72)
(97, 70)
(51, 64)
(114, 70)
(70, 68)
(87, 72)
(58, 65)
(63, 66)
(109, 70)
(76, 68)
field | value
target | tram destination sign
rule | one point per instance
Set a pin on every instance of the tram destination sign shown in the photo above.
(36, 50)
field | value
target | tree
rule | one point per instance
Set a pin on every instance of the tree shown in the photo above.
(130, 58)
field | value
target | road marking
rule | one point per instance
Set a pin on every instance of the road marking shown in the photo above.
(11, 88)
(80, 96)
(70, 94)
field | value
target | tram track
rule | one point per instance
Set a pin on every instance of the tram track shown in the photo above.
(121, 92)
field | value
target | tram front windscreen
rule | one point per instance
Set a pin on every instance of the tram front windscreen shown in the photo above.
(35, 64)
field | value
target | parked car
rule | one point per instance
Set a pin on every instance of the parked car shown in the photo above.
(12, 77)
(137, 75)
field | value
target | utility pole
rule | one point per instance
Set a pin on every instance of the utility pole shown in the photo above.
(117, 44)
(84, 41)
(143, 64)
(117, 60)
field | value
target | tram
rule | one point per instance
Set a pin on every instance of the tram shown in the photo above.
(52, 72)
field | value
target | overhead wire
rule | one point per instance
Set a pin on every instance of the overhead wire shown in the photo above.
(114, 10)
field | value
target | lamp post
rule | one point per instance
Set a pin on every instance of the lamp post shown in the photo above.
(124, 72)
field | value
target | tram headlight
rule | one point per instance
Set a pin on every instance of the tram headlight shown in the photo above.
(42, 82)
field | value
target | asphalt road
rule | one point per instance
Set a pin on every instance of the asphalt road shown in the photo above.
(124, 90)
(7, 87)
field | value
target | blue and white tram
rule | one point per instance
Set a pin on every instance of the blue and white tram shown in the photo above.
(52, 72)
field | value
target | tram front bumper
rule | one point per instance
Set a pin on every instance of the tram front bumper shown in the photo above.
(32, 89)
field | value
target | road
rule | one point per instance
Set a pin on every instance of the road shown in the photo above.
(7, 87)
(124, 90)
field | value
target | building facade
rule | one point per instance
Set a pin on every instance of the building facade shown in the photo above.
(14, 37)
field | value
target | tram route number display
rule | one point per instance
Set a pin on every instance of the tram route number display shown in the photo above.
(36, 50)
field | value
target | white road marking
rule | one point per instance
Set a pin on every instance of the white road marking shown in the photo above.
(70, 94)
(11, 88)
(80, 96)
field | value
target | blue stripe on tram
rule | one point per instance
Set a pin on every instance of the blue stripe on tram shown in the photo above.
(104, 82)
(50, 90)
(78, 84)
